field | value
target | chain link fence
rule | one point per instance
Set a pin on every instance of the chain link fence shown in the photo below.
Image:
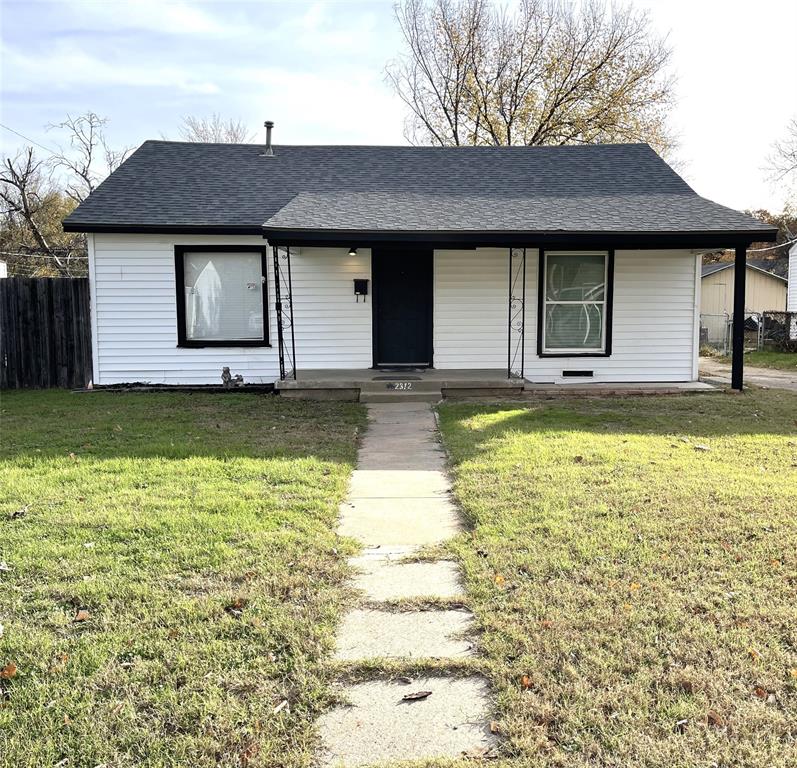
(779, 331)
(716, 332)
(770, 330)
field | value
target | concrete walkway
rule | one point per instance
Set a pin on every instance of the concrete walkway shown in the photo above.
(771, 378)
(399, 500)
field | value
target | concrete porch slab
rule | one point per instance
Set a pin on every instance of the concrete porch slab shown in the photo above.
(377, 727)
(371, 634)
(618, 389)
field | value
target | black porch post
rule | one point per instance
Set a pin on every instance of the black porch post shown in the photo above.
(739, 280)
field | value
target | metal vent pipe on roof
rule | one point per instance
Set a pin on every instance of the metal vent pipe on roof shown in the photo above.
(269, 151)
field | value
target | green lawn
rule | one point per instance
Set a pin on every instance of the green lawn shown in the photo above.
(196, 532)
(783, 361)
(636, 560)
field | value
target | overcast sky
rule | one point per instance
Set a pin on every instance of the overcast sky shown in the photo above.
(316, 69)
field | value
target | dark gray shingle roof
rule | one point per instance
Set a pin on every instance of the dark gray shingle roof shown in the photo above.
(595, 188)
(761, 265)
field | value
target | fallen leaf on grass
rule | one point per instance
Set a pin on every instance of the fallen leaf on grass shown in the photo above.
(279, 707)
(495, 726)
(715, 719)
(578, 459)
(762, 693)
(82, 615)
(754, 654)
(634, 586)
(499, 580)
(4, 566)
(525, 682)
(8, 671)
(792, 672)
(702, 448)
(236, 607)
(416, 696)
(546, 624)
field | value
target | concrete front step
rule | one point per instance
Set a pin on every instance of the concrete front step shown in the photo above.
(401, 397)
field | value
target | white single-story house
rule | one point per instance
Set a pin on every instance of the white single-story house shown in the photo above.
(285, 263)
(791, 304)
(764, 290)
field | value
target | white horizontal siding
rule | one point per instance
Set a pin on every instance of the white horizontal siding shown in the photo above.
(136, 318)
(792, 287)
(470, 308)
(653, 327)
(135, 314)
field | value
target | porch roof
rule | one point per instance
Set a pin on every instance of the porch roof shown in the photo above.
(470, 195)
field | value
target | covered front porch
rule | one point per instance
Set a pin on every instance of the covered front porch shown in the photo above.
(480, 317)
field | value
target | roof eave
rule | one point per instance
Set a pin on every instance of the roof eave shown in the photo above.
(543, 239)
(160, 229)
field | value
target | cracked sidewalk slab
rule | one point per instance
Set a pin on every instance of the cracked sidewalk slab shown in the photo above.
(373, 634)
(383, 579)
(377, 727)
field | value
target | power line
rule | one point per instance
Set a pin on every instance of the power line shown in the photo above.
(23, 136)
(773, 247)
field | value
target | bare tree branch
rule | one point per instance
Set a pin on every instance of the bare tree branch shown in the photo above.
(783, 162)
(215, 130)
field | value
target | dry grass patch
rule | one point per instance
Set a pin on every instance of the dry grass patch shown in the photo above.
(632, 565)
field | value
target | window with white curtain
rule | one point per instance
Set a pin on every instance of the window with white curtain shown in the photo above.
(223, 296)
(575, 301)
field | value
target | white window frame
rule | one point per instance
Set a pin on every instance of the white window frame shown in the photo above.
(605, 303)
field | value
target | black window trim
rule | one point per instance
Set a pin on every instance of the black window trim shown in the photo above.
(607, 350)
(179, 273)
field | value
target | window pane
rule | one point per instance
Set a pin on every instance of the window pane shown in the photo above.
(574, 277)
(223, 296)
(574, 326)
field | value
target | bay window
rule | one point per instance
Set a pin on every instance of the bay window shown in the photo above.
(575, 303)
(221, 296)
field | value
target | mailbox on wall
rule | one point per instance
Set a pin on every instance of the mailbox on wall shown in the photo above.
(360, 288)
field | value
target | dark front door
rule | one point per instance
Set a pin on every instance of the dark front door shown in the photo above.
(402, 307)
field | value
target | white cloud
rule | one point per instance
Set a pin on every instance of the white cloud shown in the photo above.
(168, 17)
(339, 107)
(66, 66)
(322, 29)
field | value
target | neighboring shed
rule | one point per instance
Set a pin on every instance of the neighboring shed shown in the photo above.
(765, 292)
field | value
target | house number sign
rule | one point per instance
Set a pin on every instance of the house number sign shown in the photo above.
(402, 385)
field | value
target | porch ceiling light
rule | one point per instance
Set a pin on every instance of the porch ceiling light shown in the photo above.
(352, 251)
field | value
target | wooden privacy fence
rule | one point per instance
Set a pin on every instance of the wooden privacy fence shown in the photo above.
(45, 332)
